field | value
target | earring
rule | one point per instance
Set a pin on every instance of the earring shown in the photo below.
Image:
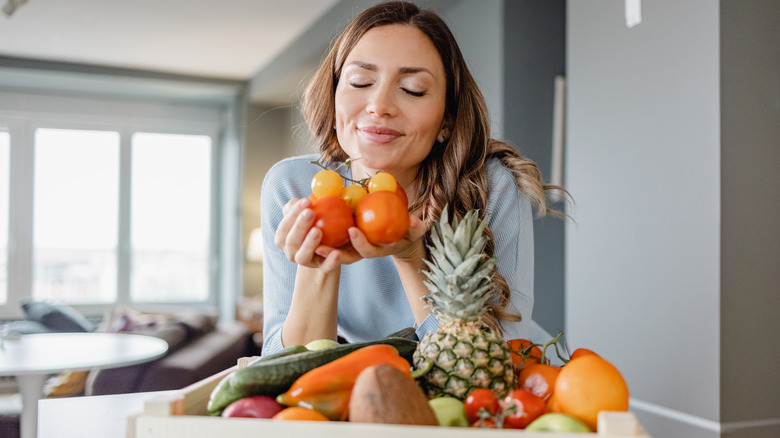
(444, 134)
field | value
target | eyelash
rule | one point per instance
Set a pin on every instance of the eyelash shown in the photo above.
(409, 92)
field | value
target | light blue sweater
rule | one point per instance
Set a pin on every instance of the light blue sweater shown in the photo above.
(372, 302)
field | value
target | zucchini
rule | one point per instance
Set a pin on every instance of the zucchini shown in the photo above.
(222, 395)
(275, 376)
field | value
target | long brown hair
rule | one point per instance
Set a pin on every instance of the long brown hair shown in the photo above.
(455, 171)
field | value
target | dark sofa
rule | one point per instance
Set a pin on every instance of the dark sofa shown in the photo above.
(198, 347)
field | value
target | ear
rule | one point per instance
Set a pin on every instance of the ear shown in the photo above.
(446, 131)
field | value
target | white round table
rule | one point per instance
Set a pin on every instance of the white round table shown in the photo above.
(32, 358)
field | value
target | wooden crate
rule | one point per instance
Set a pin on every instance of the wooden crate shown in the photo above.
(182, 415)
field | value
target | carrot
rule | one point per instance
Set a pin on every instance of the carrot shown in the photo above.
(328, 388)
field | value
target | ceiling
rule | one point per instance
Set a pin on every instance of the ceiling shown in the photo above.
(226, 39)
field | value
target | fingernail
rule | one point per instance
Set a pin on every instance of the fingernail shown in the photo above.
(307, 214)
(352, 233)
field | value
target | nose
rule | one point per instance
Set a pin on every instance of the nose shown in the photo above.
(381, 102)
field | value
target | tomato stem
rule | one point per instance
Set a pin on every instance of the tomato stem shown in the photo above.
(346, 164)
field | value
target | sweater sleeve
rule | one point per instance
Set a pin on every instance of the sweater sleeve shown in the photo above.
(283, 182)
(511, 222)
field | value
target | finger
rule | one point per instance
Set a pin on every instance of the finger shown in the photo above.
(305, 252)
(291, 211)
(331, 262)
(361, 244)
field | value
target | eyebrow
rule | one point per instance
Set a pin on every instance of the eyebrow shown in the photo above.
(403, 70)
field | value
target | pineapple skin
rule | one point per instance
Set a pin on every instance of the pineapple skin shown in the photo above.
(464, 361)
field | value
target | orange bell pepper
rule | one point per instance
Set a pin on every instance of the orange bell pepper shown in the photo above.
(327, 388)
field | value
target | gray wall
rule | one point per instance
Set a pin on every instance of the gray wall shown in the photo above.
(534, 53)
(750, 212)
(672, 161)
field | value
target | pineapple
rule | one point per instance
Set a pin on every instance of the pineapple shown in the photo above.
(464, 354)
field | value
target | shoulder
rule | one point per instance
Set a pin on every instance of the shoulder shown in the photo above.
(507, 205)
(290, 178)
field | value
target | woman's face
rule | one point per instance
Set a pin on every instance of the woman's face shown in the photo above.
(390, 101)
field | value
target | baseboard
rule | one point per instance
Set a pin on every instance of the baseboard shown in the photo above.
(663, 422)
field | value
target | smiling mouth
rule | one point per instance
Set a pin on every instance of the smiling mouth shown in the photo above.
(379, 134)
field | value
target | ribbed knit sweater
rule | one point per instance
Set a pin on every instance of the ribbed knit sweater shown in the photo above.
(372, 302)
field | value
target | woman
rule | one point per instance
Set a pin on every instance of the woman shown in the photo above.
(394, 94)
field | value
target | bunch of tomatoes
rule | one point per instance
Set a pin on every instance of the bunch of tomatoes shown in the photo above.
(580, 388)
(378, 207)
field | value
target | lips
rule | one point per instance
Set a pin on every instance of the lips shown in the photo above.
(379, 134)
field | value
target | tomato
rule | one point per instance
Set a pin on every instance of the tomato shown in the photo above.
(587, 385)
(539, 379)
(526, 407)
(479, 399)
(486, 423)
(326, 183)
(382, 217)
(523, 353)
(300, 414)
(552, 404)
(382, 181)
(401, 193)
(333, 216)
(352, 194)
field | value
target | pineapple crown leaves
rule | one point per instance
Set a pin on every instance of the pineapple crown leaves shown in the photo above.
(459, 278)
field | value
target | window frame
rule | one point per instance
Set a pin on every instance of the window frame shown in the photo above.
(22, 113)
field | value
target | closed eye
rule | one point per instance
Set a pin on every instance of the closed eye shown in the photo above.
(414, 93)
(359, 85)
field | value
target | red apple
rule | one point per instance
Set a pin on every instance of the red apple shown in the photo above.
(258, 406)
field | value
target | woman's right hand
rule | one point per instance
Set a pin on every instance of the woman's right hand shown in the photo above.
(298, 238)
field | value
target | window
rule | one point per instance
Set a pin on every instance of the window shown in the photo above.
(170, 218)
(75, 215)
(109, 203)
(5, 152)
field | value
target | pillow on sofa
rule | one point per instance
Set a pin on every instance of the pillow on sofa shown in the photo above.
(57, 317)
(25, 327)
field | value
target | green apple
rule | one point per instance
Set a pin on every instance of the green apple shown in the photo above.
(555, 422)
(321, 344)
(449, 411)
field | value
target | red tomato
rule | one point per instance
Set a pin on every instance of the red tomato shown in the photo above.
(522, 355)
(479, 399)
(383, 218)
(527, 408)
(539, 379)
(486, 423)
(333, 216)
(401, 193)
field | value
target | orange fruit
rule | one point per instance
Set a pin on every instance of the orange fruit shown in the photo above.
(297, 413)
(587, 385)
(581, 352)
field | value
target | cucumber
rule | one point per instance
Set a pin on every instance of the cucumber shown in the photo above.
(286, 351)
(275, 376)
(224, 393)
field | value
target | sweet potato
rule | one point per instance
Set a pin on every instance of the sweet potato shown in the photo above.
(384, 394)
